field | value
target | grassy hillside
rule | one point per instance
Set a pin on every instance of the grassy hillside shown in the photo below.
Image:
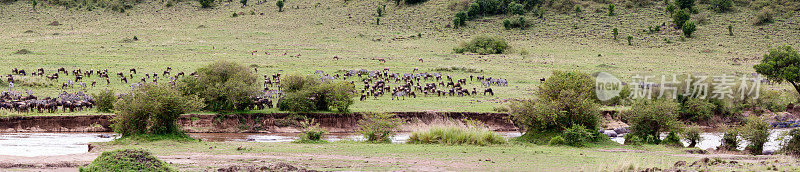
(185, 37)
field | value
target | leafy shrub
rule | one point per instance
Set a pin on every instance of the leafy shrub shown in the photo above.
(515, 8)
(518, 23)
(680, 17)
(630, 40)
(792, 147)
(755, 131)
(577, 135)
(126, 160)
(692, 135)
(557, 140)
(483, 45)
(414, 1)
(152, 108)
(632, 139)
(563, 100)
(688, 29)
(611, 10)
(685, 4)
(206, 3)
(671, 8)
(763, 17)
(651, 117)
(105, 100)
(299, 101)
(730, 139)
(721, 6)
(672, 139)
(697, 110)
(460, 20)
(312, 133)
(280, 4)
(456, 136)
(730, 30)
(224, 85)
(615, 32)
(378, 127)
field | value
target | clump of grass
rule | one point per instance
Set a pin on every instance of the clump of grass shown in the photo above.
(456, 136)
(312, 133)
(23, 51)
(126, 160)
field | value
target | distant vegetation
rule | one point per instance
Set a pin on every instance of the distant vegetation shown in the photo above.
(224, 86)
(456, 136)
(377, 127)
(307, 93)
(483, 45)
(153, 109)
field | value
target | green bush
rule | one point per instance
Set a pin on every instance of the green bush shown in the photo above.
(680, 17)
(632, 139)
(299, 101)
(755, 131)
(483, 45)
(280, 4)
(296, 82)
(563, 100)
(414, 1)
(518, 23)
(460, 20)
(688, 29)
(105, 100)
(611, 10)
(763, 17)
(615, 32)
(126, 160)
(730, 139)
(557, 140)
(456, 136)
(378, 127)
(672, 139)
(515, 8)
(577, 135)
(792, 146)
(671, 8)
(651, 117)
(311, 133)
(721, 6)
(630, 40)
(225, 86)
(697, 110)
(685, 4)
(152, 108)
(206, 3)
(692, 135)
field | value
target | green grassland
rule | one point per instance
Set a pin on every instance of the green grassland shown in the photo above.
(185, 37)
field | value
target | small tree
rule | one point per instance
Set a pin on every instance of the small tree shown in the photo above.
(615, 32)
(685, 4)
(611, 10)
(152, 108)
(630, 40)
(692, 135)
(688, 29)
(378, 127)
(721, 6)
(648, 118)
(280, 4)
(105, 100)
(730, 139)
(730, 30)
(224, 85)
(34, 3)
(756, 131)
(244, 3)
(460, 20)
(781, 64)
(680, 17)
(565, 99)
(206, 3)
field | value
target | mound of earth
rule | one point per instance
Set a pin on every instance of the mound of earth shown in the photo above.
(54, 23)
(23, 51)
(127, 160)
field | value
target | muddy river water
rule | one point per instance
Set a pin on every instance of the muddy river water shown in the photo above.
(49, 144)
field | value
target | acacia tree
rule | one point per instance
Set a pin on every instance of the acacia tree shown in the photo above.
(152, 108)
(781, 64)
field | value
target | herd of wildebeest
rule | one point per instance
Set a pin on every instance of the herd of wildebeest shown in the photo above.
(376, 83)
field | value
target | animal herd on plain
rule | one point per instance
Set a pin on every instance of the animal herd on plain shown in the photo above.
(376, 83)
